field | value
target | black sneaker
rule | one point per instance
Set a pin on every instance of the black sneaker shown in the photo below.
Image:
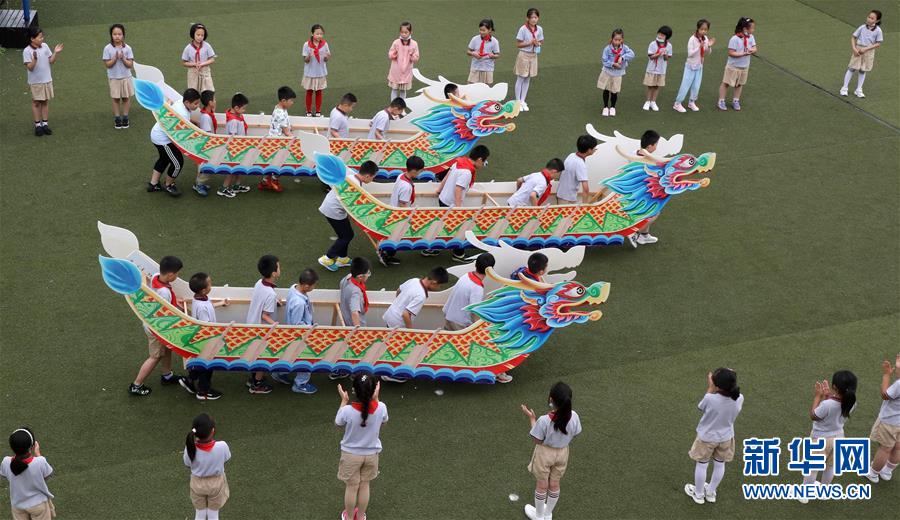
(173, 190)
(260, 387)
(38, 130)
(430, 252)
(459, 257)
(124, 122)
(392, 260)
(153, 187)
(47, 130)
(382, 259)
(187, 385)
(240, 188)
(309, 114)
(172, 380)
(211, 395)
(318, 114)
(334, 376)
(141, 390)
(118, 123)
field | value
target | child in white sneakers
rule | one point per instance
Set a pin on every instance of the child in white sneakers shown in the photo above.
(886, 430)
(331, 208)
(866, 38)
(699, 45)
(649, 141)
(615, 57)
(659, 52)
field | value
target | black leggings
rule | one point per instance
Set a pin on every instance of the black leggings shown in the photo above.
(344, 235)
(610, 98)
(170, 160)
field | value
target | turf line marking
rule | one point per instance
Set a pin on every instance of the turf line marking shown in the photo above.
(826, 13)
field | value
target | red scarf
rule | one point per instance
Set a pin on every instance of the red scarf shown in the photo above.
(527, 272)
(746, 37)
(423, 287)
(532, 31)
(316, 48)
(205, 446)
(196, 51)
(483, 41)
(373, 405)
(617, 53)
(231, 116)
(659, 46)
(702, 46)
(362, 287)
(464, 163)
(412, 186)
(546, 174)
(28, 460)
(157, 284)
(476, 280)
(213, 117)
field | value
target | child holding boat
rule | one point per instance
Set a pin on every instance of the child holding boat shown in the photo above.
(235, 125)
(354, 300)
(381, 121)
(361, 421)
(404, 54)
(263, 305)
(334, 212)
(279, 126)
(338, 120)
(468, 290)
(534, 188)
(403, 196)
(299, 311)
(204, 310)
(170, 159)
(574, 174)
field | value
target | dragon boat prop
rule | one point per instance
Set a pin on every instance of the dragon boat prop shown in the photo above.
(514, 320)
(437, 130)
(637, 192)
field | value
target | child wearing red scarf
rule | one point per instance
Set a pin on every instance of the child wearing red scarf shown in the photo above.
(530, 41)
(316, 53)
(206, 457)
(615, 58)
(741, 47)
(483, 49)
(197, 56)
(402, 196)
(534, 188)
(235, 125)
(469, 290)
(659, 52)
(27, 472)
(698, 47)
(209, 124)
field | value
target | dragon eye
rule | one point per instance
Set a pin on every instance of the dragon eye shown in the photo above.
(575, 292)
(493, 108)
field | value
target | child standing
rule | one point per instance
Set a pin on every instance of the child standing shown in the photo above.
(197, 57)
(299, 311)
(119, 58)
(529, 40)
(170, 159)
(411, 297)
(534, 188)
(403, 195)
(866, 38)
(715, 433)
(316, 54)
(740, 47)
(361, 444)
(263, 304)
(334, 212)
(206, 457)
(469, 290)
(207, 124)
(38, 57)
(204, 310)
(235, 125)
(886, 430)
(699, 45)
(616, 57)
(27, 472)
(484, 50)
(552, 433)
(404, 54)
(381, 121)
(574, 174)
(659, 52)
(279, 126)
(338, 120)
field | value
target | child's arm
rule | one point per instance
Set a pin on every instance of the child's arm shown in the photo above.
(607, 57)
(628, 54)
(222, 303)
(334, 133)
(534, 199)
(56, 50)
(886, 376)
(31, 64)
(379, 135)
(127, 60)
(530, 414)
(457, 196)
(585, 191)
(392, 52)
(407, 319)
(710, 386)
(286, 129)
(267, 317)
(345, 399)
(853, 46)
(821, 392)
(354, 318)
(414, 56)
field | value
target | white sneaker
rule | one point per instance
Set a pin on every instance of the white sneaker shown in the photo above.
(689, 491)
(872, 475)
(859, 93)
(504, 377)
(646, 238)
(653, 106)
(531, 513)
(709, 495)
(886, 475)
(393, 379)
(646, 105)
(693, 106)
(843, 91)
(632, 239)
(612, 111)
(605, 112)
(678, 108)
(523, 106)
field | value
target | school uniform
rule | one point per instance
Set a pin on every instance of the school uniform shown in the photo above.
(697, 50)
(315, 73)
(235, 123)
(199, 79)
(155, 347)
(610, 77)
(550, 458)
(410, 297)
(404, 192)
(40, 81)
(865, 37)
(715, 432)
(207, 122)
(655, 75)
(360, 445)
(468, 290)
(353, 299)
(203, 310)
(536, 183)
(209, 486)
(337, 217)
(482, 68)
(527, 59)
(298, 311)
(381, 122)
(573, 174)
(170, 160)
(339, 122)
(461, 174)
(886, 430)
(29, 497)
(737, 69)
(119, 76)
(279, 120)
(262, 299)
(403, 57)
(830, 425)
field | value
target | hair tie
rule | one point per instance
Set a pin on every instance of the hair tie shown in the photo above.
(30, 436)
(194, 431)
(363, 378)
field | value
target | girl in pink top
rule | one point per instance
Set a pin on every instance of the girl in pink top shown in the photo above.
(404, 54)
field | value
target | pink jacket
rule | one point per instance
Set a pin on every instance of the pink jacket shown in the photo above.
(402, 57)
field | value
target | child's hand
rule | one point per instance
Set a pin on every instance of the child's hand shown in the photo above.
(617, 65)
(527, 411)
(712, 41)
(710, 386)
(58, 48)
(343, 393)
(280, 302)
(33, 55)
(226, 302)
(36, 450)
(897, 364)
(377, 391)
(886, 367)
(856, 51)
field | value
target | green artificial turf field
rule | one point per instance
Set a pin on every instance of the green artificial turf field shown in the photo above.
(785, 267)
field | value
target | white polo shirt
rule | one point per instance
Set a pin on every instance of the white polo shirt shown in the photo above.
(491, 46)
(208, 463)
(532, 183)
(461, 177)
(574, 172)
(206, 122)
(468, 290)
(118, 70)
(338, 122)
(190, 53)
(203, 310)
(41, 71)
(544, 431)
(402, 192)
(381, 122)
(158, 135)
(331, 206)
(411, 298)
(359, 439)
(263, 299)
(719, 413)
(27, 489)
(890, 409)
(831, 422)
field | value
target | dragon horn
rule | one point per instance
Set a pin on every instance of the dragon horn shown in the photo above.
(630, 157)
(525, 284)
(455, 101)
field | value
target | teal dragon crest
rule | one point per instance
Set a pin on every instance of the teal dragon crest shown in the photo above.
(454, 125)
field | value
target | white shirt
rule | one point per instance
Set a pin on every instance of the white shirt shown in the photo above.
(574, 172)
(549, 436)
(41, 71)
(464, 293)
(490, 47)
(381, 122)
(352, 300)
(262, 300)
(525, 35)
(118, 70)
(359, 439)
(660, 64)
(831, 422)
(890, 409)
(203, 310)
(316, 68)
(455, 177)
(532, 183)
(280, 119)
(331, 206)
(865, 37)
(158, 135)
(208, 463)
(27, 489)
(411, 298)
(338, 122)
(190, 52)
(206, 122)
(736, 43)
(234, 127)
(719, 413)
(402, 192)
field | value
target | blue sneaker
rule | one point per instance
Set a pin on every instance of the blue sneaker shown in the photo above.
(721, 105)
(305, 388)
(201, 189)
(736, 104)
(285, 378)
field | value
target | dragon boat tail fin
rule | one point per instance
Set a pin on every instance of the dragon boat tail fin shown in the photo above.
(148, 94)
(330, 169)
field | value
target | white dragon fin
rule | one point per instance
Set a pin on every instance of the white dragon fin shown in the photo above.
(117, 242)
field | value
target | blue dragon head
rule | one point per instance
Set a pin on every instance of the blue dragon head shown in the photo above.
(647, 182)
(454, 125)
(525, 312)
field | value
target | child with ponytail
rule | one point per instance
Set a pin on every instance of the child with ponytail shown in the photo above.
(361, 420)
(551, 433)
(316, 53)
(27, 472)
(715, 433)
(886, 430)
(206, 457)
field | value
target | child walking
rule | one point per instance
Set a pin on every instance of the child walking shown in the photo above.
(338, 120)
(574, 175)
(715, 433)
(741, 47)
(468, 290)
(37, 58)
(204, 310)
(659, 52)
(334, 212)
(404, 54)
(316, 54)
(649, 141)
(206, 457)
(119, 59)
(616, 57)
(235, 125)
(279, 126)
(866, 38)
(263, 305)
(699, 45)
(529, 40)
(361, 444)
(170, 159)
(484, 50)
(886, 430)
(403, 195)
(552, 433)
(354, 300)
(27, 471)
(197, 57)
(299, 311)
(534, 189)
(207, 123)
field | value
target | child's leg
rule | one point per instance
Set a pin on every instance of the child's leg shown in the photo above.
(200, 514)
(687, 82)
(613, 97)
(394, 94)
(344, 235)
(212, 514)
(737, 92)
(717, 474)
(519, 87)
(723, 91)
(362, 498)
(540, 498)
(126, 106)
(649, 93)
(318, 101)
(809, 479)
(36, 111)
(552, 497)
(605, 98)
(350, 493)
(860, 79)
(167, 363)
(847, 77)
(695, 84)
(700, 477)
(309, 100)
(45, 110)
(146, 368)
(526, 82)
(115, 104)
(176, 161)
(881, 458)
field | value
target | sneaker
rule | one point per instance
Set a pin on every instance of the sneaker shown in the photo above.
(173, 190)
(285, 378)
(240, 188)
(264, 184)
(736, 104)
(646, 238)
(334, 376)
(125, 123)
(309, 114)
(260, 387)
(873, 476)
(187, 385)
(382, 259)
(392, 260)
(689, 491)
(141, 390)
(430, 252)
(531, 513)
(632, 239)
(612, 111)
(886, 475)
(174, 379)
(225, 191)
(209, 395)
(275, 185)
(343, 261)
(318, 114)
(504, 377)
(858, 93)
(605, 112)
(153, 187)
(710, 496)
(523, 106)
(393, 379)
(844, 91)
(678, 108)
(459, 257)
(201, 190)
(305, 388)
(721, 105)
(118, 123)
(38, 130)
(47, 130)
(328, 263)
(646, 105)
(654, 107)
(693, 106)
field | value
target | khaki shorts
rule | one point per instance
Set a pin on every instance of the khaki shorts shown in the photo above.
(654, 80)
(155, 347)
(886, 435)
(481, 76)
(526, 64)
(829, 448)
(399, 86)
(320, 83)
(121, 88)
(703, 451)
(42, 91)
(548, 463)
(209, 492)
(609, 82)
(735, 77)
(200, 80)
(354, 469)
(863, 62)
(42, 511)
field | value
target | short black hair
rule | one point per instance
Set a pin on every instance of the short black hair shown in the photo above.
(666, 31)
(487, 23)
(399, 102)
(408, 25)
(170, 264)
(34, 31)
(308, 277)
(555, 164)
(415, 163)
(196, 26)
(286, 92)
(537, 262)
(239, 100)
(348, 99)
(267, 265)
(359, 265)
(585, 143)
(450, 88)
(532, 11)
(190, 95)
(439, 275)
(650, 137)
(484, 261)
(480, 152)
(368, 168)
(198, 282)
(206, 96)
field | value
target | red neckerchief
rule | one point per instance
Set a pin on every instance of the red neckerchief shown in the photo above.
(362, 287)
(483, 41)
(205, 446)
(746, 37)
(617, 53)
(231, 116)
(316, 48)
(268, 283)
(476, 280)
(658, 47)
(373, 405)
(532, 31)
(212, 116)
(464, 163)
(157, 284)
(201, 298)
(423, 287)
(835, 398)
(412, 186)
(527, 272)
(702, 46)
(196, 51)
(28, 460)
(547, 176)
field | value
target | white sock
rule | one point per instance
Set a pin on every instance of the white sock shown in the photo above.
(828, 476)
(393, 94)
(212, 514)
(552, 498)
(847, 77)
(717, 474)
(699, 478)
(526, 82)
(539, 504)
(888, 468)
(860, 79)
(200, 514)
(809, 479)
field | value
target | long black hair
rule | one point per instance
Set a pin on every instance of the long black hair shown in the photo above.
(845, 382)
(561, 395)
(364, 388)
(725, 380)
(21, 441)
(743, 23)
(201, 429)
